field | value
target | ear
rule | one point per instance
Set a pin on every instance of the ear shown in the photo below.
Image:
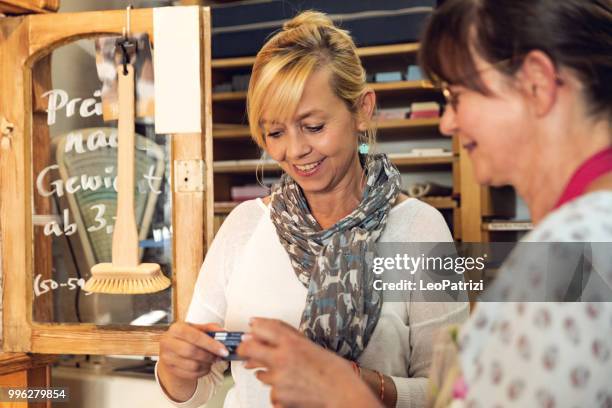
(539, 81)
(366, 110)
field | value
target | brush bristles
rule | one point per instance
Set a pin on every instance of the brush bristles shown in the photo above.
(128, 286)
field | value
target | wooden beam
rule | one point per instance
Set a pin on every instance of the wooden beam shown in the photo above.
(11, 362)
(42, 308)
(193, 235)
(15, 169)
(92, 339)
(46, 35)
(471, 201)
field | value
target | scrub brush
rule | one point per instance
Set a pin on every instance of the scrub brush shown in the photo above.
(125, 275)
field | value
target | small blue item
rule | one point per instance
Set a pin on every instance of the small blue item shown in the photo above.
(414, 73)
(392, 76)
(364, 148)
(231, 340)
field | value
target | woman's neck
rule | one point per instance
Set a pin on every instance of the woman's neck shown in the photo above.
(550, 172)
(330, 207)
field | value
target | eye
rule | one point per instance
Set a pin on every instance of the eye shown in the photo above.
(315, 129)
(454, 99)
(274, 134)
(451, 96)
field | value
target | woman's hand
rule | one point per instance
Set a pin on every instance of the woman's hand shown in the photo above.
(300, 372)
(186, 353)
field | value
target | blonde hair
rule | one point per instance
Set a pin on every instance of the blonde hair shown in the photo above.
(307, 42)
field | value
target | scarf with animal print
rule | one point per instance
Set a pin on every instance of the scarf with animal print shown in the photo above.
(342, 306)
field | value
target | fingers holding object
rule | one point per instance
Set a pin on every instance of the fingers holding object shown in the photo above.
(196, 334)
(256, 351)
(271, 331)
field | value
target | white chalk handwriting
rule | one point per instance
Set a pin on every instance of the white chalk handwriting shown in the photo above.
(58, 100)
(69, 228)
(42, 286)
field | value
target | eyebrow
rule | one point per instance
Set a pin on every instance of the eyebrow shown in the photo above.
(309, 113)
(300, 117)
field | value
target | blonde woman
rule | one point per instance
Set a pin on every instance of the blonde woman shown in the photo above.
(298, 256)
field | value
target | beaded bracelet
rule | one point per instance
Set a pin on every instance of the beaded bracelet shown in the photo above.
(382, 385)
(356, 368)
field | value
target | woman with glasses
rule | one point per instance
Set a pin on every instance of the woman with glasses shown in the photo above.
(529, 90)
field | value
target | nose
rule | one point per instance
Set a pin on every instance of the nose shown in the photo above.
(297, 145)
(448, 122)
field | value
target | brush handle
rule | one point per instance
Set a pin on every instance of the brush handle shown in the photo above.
(125, 233)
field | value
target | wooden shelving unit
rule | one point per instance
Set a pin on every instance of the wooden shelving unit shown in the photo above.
(224, 207)
(231, 132)
(249, 166)
(364, 52)
(402, 86)
(398, 87)
(244, 166)
(507, 226)
(407, 126)
(464, 210)
(229, 96)
(441, 203)
(422, 162)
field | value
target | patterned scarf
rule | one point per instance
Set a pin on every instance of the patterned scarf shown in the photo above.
(342, 307)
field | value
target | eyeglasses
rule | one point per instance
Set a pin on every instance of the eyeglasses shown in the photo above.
(452, 98)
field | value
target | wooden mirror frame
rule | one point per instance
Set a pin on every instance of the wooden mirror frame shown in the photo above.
(24, 44)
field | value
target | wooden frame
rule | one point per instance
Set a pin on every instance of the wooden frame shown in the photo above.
(28, 6)
(471, 200)
(23, 42)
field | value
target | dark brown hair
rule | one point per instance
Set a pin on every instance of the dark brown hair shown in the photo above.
(575, 34)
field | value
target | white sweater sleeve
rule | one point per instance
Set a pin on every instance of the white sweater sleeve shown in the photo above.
(208, 302)
(425, 319)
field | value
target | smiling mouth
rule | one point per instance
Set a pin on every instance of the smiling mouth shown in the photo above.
(308, 169)
(470, 146)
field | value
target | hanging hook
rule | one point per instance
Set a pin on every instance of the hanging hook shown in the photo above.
(125, 42)
(125, 57)
(128, 27)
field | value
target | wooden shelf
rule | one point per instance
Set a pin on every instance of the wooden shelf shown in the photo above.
(402, 86)
(363, 52)
(406, 124)
(225, 207)
(229, 96)
(386, 50)
(243, 132)
(416, 162)
(380, 87)
(231, 132)
(507, 226)
(248, 166)
(244, 166)
(441, 203)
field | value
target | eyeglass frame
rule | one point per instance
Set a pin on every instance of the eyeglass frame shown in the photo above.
(453, 100)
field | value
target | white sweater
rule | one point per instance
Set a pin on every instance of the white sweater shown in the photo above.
(247, 273)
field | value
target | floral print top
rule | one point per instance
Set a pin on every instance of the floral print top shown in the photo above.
(545, 354)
